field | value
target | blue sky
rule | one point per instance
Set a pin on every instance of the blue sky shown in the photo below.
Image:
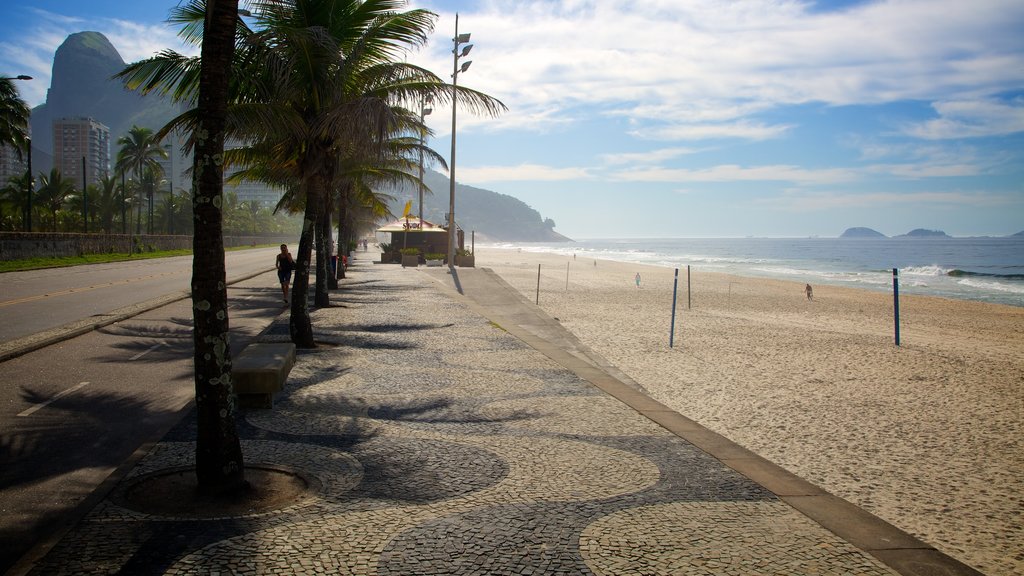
(698, 118)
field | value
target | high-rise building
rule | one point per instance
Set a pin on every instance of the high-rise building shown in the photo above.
(10, 165)
(77, 138)
(248, 190)
(177, 167)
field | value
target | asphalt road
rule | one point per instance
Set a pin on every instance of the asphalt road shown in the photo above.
(40, 300)
(74, 410)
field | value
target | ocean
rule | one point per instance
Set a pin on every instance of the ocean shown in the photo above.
(982, 269)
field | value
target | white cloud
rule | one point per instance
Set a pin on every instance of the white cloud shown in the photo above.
(648, 157)
(971, 119)
(743, 130)
(654, 59)
(734, 173)
(522, 172)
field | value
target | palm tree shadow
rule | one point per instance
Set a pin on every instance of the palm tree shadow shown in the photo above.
(55, 439)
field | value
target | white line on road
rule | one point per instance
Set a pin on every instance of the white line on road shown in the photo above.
(38, 407)
(144, 352)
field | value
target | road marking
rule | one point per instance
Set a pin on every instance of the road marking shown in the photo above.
(144, 352)
(38, 407)
(88, 288)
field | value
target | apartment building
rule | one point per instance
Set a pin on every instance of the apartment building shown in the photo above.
(78, 138)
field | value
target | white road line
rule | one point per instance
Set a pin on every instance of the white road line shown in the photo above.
(144, 352)
(38, 407)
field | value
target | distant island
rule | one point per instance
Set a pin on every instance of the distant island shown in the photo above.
(1021, 233)
(862, 233)
(922, 233)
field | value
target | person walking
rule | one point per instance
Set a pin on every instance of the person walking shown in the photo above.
(285, 265)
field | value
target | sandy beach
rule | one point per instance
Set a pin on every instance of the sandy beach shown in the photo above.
(926, 435)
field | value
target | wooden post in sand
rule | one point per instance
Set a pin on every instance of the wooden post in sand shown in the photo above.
(566, 276)
(687, 286)
(672, 329)
(537, 302)
(896, 302)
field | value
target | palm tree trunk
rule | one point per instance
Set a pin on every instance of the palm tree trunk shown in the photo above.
(300, 325)
(219, 464)
(344, 215)
(323, 259)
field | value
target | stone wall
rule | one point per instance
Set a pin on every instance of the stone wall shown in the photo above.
(23, 245)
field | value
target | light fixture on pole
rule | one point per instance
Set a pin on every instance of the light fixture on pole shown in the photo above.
(457, 40)
(424, 112)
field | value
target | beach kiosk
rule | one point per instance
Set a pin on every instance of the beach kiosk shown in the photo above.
(427, 237)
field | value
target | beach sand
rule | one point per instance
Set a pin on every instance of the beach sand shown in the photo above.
(926, 435)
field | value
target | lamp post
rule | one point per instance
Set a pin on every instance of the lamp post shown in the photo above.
(458, 39)
(124, 205)
(424, 112)
(31, 188)
(85, 199)
(31, 180)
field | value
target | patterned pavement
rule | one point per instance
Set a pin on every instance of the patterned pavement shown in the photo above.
(436, 442)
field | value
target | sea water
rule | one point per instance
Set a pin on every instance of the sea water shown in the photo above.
(983, 269)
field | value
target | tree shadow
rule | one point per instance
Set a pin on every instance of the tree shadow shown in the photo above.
(71, 438)
(386, 328)
(252, 302)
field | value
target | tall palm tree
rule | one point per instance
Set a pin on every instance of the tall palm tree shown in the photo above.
(107, 202)
(219, 463)
(14, 118)
(14, 115)
(53, 192)
(139, 152)
(313, 81)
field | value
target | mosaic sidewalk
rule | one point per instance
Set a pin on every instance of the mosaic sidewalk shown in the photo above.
(435, 442)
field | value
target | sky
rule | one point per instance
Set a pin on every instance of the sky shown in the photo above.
(695, 118)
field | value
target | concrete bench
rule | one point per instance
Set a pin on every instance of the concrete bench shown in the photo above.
(259, 371)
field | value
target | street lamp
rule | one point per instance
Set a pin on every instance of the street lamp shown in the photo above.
(458, 39)
(424, 112)
(31, 180)
(85, 199)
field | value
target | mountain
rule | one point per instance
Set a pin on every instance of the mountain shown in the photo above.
(922, 233)
(861, 233)
(491, 215)
(81, 86)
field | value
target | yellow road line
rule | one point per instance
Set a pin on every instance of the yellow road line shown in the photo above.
(88, 288)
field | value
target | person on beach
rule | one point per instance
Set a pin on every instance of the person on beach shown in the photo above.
(285, 264)
(637, 279)
(809, 291)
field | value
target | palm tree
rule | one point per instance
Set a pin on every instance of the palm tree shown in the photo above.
(139, 152)
(252, 208)
(107, 202)
(14, 115)
(53, 192)
(219, 463)
(318, 80)
(11, 199)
